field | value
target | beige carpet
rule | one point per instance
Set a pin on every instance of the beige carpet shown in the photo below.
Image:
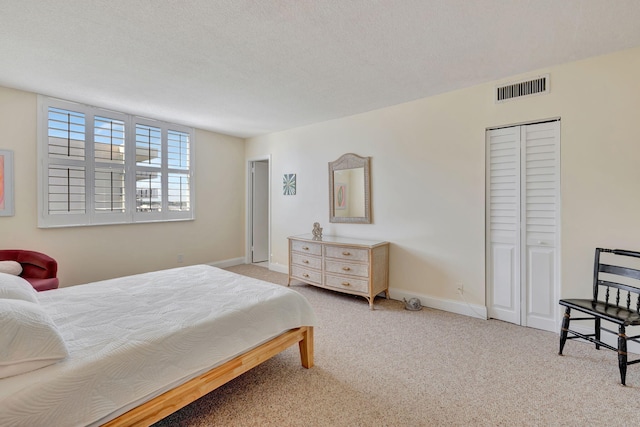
(393, 367)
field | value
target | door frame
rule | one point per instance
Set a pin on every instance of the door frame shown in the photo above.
(249, 209)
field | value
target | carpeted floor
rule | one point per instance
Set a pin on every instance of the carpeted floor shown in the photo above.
(393, 367)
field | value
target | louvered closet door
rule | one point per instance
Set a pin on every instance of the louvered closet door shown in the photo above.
(523, 205)
(540, 208)
(503, 227)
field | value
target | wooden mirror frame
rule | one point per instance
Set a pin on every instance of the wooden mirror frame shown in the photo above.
(351, 161)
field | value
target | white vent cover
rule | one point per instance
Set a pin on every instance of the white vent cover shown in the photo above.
(522, 88)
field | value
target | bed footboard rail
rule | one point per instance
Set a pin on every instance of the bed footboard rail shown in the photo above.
(175, 399)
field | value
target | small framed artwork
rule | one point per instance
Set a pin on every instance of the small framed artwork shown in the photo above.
(289, 184)
(340, 191)
(6, 183)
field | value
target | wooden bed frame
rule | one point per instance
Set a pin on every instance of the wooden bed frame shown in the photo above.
(174, 399)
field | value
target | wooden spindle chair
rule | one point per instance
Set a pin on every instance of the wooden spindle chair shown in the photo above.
(621, 308)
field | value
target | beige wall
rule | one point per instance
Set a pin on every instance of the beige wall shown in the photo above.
(427, 184)
(428, 175)
(92, 253)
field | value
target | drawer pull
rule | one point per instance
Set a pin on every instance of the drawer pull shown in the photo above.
(346, 284)
(345, 253)
(305, 275)
(346, 268)
(306, 248)
(306, 261)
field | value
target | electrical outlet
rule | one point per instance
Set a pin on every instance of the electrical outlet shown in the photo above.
(460, 289)
(180, 258)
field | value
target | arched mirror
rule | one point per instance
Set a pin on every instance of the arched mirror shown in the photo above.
(349, 190)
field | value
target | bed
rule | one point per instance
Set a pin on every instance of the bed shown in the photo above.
(143, 346)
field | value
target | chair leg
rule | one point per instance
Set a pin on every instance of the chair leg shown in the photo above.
(597, 330)
(564, 330)
(622, 354)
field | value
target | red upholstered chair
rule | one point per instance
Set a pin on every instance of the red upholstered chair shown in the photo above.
(38, 269)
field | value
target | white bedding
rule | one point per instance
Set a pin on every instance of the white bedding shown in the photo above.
(132, 338)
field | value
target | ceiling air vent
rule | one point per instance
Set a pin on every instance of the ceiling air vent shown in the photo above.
(522, 88)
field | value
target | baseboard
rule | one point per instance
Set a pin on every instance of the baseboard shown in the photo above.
(471, 310)
(459, 307)
(228, 262)
(279, 268)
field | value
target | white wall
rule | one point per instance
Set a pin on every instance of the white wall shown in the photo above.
(428, 175)
(91, 253)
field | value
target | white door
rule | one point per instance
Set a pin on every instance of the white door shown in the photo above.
(503, 223)
(260, 211)
(523, 206)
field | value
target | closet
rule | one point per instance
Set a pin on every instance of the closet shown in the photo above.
(522, 224)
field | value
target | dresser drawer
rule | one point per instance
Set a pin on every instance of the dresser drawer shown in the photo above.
(346, 253)
(306, 247)
(306, 275)
(347, 283)
(351, 269)
(308, 261)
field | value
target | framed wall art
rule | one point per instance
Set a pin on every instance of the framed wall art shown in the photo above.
(289, 184)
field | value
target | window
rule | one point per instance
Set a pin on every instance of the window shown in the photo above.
(104, 167)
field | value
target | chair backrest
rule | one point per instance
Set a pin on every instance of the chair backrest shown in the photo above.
(34, 264)
(616, 274)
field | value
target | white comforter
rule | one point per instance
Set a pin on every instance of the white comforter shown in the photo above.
(132, 338)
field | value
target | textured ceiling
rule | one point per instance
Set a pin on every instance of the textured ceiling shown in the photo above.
(246, 68)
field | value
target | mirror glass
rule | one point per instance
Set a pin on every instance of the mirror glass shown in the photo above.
(352, 204)
(349, 185)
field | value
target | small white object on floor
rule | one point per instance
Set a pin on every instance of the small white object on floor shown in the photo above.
(413, 304)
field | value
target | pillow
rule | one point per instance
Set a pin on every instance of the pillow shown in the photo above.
(15, 287)
(11, 267)
(29, 339)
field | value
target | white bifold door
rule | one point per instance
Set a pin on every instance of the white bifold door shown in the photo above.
(523, 217)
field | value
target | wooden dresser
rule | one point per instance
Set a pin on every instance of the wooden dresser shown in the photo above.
(353, 266)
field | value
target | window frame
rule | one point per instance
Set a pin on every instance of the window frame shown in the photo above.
(130, 215)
